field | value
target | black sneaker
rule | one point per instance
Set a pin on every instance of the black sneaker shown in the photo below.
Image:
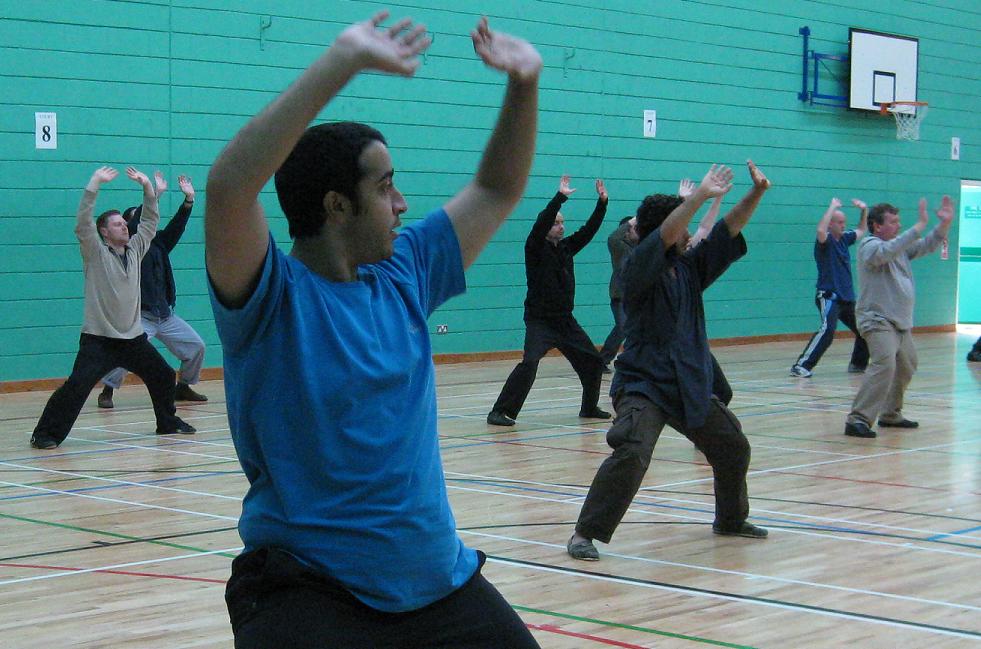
(181, 427)
(859, 429)
(595, 413)
(974, 356)
(498, 418)
(183, 392)
(105, 398)
(855, 369)
(747, 530)
(43, 442)
(902, 423)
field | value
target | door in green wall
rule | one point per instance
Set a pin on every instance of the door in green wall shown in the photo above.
(969, 254)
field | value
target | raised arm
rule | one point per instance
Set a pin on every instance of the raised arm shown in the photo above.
(150, 214)
(863, 218)
(706, 224)
(822, 226)
(85, 229)
(716, 182)
(480, 207)
(932, 241)
(737, 218)
(172, 234)
(578, 240)
(236, 232)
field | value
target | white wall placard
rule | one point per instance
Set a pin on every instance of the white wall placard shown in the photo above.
(45, 130)
(650, 123)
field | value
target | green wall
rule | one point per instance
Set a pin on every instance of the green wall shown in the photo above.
(166, 84)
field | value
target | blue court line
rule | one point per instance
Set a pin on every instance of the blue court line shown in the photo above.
(946, 534)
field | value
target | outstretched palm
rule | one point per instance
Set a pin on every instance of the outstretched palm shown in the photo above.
(946, 211)
(717, 181)
(506, 53)
(136, 175)
(564, 186)
(105, 174)
(394, 50)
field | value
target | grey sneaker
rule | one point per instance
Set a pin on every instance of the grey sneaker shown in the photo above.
(583, 551)
(801, 372)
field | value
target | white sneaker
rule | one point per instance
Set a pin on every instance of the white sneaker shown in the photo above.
(801, 372)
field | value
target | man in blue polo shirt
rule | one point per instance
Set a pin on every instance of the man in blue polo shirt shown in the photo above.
(835, 298)
(349, 536)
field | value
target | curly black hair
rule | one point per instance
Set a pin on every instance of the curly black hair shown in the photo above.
(653, 210)
(324, 160)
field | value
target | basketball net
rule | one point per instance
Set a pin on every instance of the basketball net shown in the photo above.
(907, 124)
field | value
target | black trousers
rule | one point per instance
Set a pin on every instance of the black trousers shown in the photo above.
(568, 337)
(96, 356)
(632, 437)
(615, 338)
(833, 309)
(276, 602)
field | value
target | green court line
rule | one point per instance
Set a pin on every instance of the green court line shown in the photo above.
(116, 535)
(516, 607)
(631, 627)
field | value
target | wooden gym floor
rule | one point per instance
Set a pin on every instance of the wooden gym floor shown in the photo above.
(122, 539)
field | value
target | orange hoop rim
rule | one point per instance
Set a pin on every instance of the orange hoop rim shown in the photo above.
(886, 105)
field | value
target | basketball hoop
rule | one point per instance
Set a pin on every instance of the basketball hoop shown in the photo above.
(909, 115)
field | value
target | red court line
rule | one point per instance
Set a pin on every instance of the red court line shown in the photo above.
(115, 572)
(582, 636)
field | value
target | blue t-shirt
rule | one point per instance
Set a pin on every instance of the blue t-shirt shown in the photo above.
(331, 396)
(834, 265)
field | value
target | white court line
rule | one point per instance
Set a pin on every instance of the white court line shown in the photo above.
(825, 535)
(120, 482)
(118, 566)
(734, 573)
(119, 501)
(823, 463)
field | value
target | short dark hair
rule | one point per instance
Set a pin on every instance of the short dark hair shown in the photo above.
(878, 213)
(324, 160)
(653, 210)
(101, 221)
(625, 219)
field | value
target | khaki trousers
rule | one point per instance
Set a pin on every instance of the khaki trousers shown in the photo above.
(892, 362)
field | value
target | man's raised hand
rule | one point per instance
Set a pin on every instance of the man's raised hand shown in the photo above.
(184, 182)
(160, 182)
(564, 188)
(601, 190)
(138, 176)
(716, 182)
(859, 203)
(104, 175)
(946, 210)
(515, 56)
(686, 188)
(760, 181)
(394, 50)
(835, 203)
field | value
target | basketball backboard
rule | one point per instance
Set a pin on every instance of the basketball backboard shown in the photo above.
(883, 69)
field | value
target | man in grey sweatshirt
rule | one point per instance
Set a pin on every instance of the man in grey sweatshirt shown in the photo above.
(885, 312)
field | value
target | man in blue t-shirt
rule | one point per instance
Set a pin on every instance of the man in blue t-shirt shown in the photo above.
(835, 298)
(349, 537)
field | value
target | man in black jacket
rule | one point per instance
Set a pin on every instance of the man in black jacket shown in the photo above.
(158, 295)
(549, 322)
